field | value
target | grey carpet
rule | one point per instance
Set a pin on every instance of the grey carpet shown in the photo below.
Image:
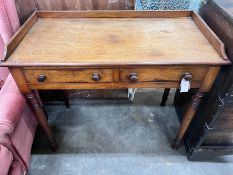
(117, 137)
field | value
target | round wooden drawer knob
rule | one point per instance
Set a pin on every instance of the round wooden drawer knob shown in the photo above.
(187, 76)
(133, 77)
(41, 78)
(96, 77)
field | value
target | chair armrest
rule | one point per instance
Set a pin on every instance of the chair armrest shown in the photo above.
(4, 72)
(12, 104)
(6, 159)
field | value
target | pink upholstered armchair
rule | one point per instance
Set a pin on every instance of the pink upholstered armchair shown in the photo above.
(17, 129)
(17, 122)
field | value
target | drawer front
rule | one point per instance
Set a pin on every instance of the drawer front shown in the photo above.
(162, 74)
(68, 76)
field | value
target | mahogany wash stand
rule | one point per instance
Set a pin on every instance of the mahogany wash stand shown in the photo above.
(113, 50)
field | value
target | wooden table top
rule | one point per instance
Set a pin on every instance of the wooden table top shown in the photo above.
(115, 41)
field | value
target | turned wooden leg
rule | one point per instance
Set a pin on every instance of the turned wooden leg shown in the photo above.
(188, 116)
(165, 96)
(65, 98)
(42, 120)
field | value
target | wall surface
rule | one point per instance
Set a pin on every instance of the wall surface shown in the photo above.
(26, 7)
(84, 4)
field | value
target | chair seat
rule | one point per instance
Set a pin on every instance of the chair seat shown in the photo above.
(17, 125)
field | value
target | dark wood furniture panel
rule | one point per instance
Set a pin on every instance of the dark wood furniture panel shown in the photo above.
(225, 121)
(210, 133)
(218, 138)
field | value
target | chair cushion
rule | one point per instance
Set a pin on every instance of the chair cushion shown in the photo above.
(3, 70)
(6, 159)
(9, 21)
(17, 168)
(12, 14)
(16, 120)
(23, 135)
(12, 104)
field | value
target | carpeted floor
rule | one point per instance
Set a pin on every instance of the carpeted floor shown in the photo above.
(116, 137)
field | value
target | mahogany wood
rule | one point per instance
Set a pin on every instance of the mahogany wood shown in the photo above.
(210, 35)
(188, 116)
(113, 14)
(163, 74)
(209, 79)
(114, 42)
(115, 85)
(69, 75)
(115, 50)
(18, 36)
(36, 106)
(41, 118)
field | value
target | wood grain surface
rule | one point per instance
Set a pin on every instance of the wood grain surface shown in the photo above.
(72, 50)
(163, 74)
(18, 36)
(70, 75)
(115, 41)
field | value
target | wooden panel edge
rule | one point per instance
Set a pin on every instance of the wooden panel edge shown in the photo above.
(18, 36)
(209, 79)
(210, 35)
(106, 65)
(113, 14)
(115, 67)
(17, 74)
(121, 85)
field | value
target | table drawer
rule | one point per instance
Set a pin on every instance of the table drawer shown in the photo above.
(161, 74)
(68, 76)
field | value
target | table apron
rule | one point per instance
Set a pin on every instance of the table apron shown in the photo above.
(113, 78)
(120, 85)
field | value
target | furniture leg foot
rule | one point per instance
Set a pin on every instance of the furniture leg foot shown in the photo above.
(65, 98)
(188, 116)
(176, 144)
(165, 96)
(54, 146)
(41, 118)
(46, 115)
